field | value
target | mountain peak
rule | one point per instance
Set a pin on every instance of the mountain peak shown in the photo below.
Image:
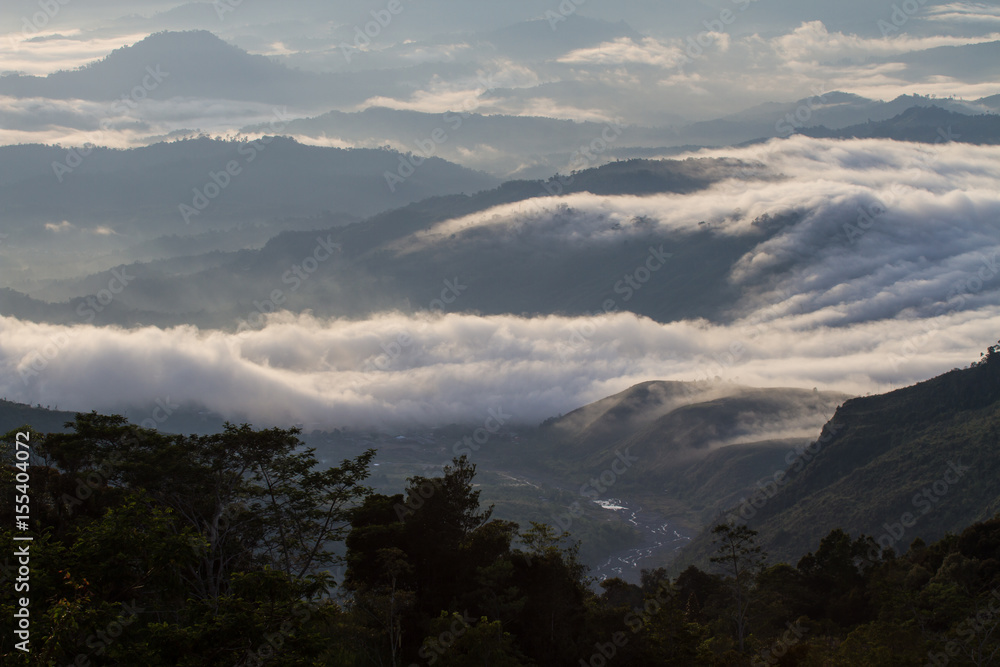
(199, 49)
(193, 63)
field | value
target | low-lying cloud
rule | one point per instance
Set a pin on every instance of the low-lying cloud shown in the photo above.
(424, 370)
(844, 231)
(873, 265)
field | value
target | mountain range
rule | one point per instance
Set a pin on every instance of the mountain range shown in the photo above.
(219, 184)
(196, 76)
(794, 464)
(514, 333)
(924, 124)
(334, 201)
(358, 279)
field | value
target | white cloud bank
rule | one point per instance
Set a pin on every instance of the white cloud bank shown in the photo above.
(441, 369)
(911, 292)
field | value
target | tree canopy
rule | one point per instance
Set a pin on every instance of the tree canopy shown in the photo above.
(156, 549)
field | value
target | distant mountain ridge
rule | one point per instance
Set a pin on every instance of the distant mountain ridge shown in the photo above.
(198, 65)
(534, 146)
(43, 419)
(510, 146)
(192, 64)
(137, 190)
(925, 124)
(501, 278)
(832, 109)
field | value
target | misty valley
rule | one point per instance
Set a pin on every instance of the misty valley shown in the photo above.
(572, 334)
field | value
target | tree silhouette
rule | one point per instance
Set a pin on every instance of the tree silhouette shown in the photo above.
(741, 560)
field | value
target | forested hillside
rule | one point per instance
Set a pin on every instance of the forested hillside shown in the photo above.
(917, 462)
(154, 550)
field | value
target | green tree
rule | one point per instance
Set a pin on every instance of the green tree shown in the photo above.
(458, 641)
(741, 560)
(160, 549)
(255, 497)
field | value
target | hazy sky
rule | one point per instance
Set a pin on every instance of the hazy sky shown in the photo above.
(644, 62)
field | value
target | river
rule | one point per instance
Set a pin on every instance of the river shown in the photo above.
(659, 537)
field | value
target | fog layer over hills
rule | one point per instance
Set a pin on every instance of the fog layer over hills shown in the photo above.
(867, 264)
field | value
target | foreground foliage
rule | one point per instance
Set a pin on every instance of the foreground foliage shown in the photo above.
(157, 549)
